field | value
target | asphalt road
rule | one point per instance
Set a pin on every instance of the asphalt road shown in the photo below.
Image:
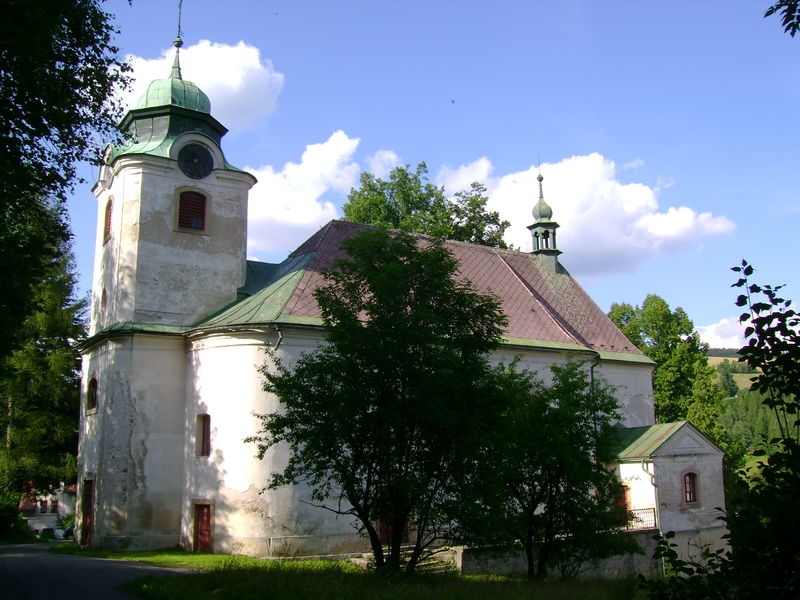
(32, 572)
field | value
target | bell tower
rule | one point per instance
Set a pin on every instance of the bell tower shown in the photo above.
(171, 242)
(543, 231)
(172, 213)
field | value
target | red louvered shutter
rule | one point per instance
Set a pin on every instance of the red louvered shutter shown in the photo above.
(192, 211)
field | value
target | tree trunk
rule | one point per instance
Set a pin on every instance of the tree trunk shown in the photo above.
(375, 543)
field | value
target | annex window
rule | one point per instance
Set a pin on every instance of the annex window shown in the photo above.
(107, 221)
(91, 395)
(690, 488)
(192, 211)
(203, 435)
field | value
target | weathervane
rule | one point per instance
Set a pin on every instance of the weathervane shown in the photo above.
(178, 42)
(180, 31)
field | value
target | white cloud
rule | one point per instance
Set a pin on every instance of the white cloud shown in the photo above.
(243, 87)
(286, 206)
(727, 333)
(633, 164)
(382, 162)
(606, 226)
(455, 180)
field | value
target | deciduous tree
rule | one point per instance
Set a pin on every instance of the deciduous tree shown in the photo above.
(58, 73)
(670, 339)
(547, 483)
(789, 11)
(409, 202)
(383, 421)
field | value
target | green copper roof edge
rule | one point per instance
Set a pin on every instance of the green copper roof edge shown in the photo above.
(651, 439)
(127, 328)
(134, 113)
(292, 320)
(569, 346)
(160, 147)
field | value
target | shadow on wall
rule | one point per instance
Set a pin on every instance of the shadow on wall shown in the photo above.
(205, 522)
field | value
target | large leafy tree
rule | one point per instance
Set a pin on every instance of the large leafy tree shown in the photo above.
(409, 202)
(547, 486)
(383, 421)
(58, 73)
(40, 387)
(669, 338)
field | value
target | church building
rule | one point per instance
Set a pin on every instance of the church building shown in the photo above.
(180, 319)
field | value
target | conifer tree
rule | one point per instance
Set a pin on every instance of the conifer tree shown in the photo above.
(40, 386)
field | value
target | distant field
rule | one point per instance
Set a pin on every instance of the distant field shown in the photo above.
(715, 360)
(741, 379)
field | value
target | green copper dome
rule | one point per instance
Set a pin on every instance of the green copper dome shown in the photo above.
(176, 92)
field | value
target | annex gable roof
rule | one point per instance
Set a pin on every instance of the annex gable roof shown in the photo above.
(663, 439)
(543, 307)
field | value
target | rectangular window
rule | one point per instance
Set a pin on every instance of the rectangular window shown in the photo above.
(192, 210)
(690, 488)
(203, 435)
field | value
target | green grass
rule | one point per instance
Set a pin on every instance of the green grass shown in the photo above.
(244, 578)
(167, 558)
(341, 581)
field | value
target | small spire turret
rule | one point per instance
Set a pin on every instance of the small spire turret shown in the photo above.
(543, 231)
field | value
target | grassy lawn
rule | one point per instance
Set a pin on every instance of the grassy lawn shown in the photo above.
(242, 578)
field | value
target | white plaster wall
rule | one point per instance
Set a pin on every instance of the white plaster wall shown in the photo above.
(223, 382)
(633, 382)
(132, 446)
(696, 525)
(636, 477)
(677, 515)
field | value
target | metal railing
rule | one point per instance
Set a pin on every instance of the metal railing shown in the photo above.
(642, 518)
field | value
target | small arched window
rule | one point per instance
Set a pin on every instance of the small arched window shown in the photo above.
(192, 211)
(690, 488)
(107, 221)
(91, 395)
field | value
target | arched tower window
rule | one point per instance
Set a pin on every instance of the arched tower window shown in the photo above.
(690, 488)
(192, 210)
(91, 395)
(107, 221)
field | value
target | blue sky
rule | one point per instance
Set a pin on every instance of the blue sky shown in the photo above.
(667, 131)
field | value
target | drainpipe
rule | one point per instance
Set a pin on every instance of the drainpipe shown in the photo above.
(591, 371)
(280, 337)
(595, 362)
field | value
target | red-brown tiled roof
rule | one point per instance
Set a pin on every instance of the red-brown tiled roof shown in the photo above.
(541, 305)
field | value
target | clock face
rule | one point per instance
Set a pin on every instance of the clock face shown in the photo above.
(195, 161)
